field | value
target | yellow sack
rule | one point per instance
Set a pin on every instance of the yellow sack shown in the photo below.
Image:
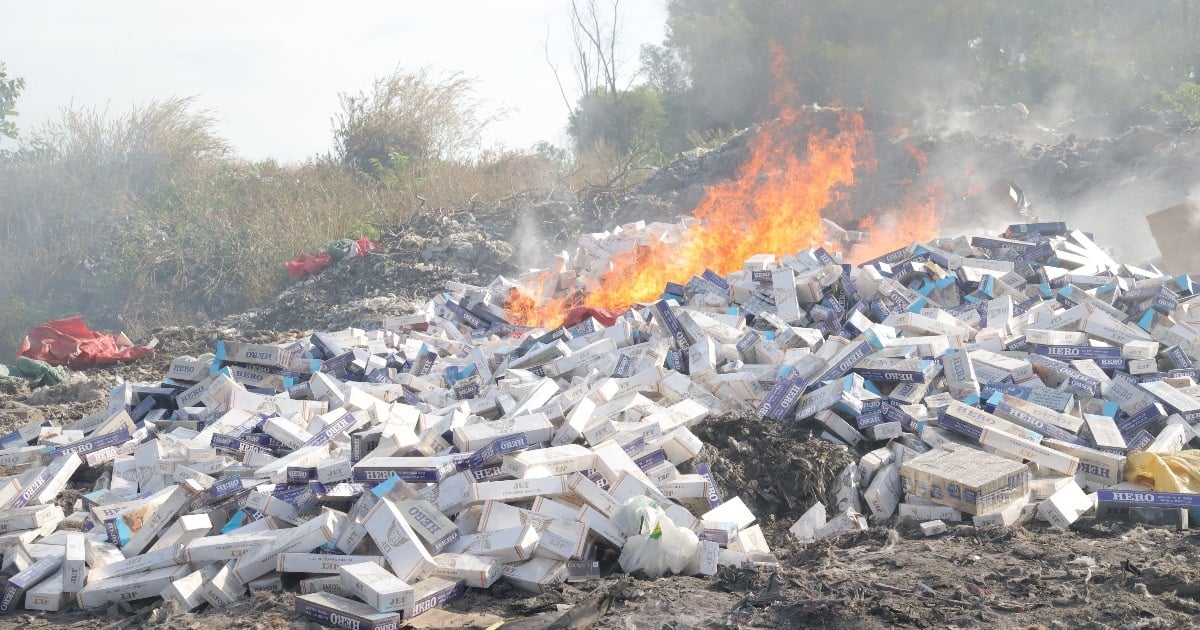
(1165, 472)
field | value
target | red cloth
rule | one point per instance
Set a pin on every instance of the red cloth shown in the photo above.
(580, 313)
(308, 264)
(69, 342)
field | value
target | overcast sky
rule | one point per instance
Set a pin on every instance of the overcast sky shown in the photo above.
(271, 71)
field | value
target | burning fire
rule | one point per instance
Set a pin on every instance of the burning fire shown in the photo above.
(916, 221)
(774, 205)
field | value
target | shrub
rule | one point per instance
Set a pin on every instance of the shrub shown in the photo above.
(1185, 99)
(408, 120)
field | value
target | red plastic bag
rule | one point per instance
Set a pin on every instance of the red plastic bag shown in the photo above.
(69, 342)
(364, 246)
(580, 313)
(307, 264)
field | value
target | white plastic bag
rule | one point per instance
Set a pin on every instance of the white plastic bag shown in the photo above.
(633, 514)
(655, 545)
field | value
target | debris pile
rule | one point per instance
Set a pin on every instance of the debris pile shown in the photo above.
(382, 471)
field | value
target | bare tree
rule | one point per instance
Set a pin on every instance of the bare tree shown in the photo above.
(595, 27)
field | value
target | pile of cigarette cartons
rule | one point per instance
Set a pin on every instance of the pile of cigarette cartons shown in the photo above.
(389, 468)
(994, 377)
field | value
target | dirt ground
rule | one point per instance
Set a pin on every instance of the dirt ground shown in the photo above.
(1098, 574)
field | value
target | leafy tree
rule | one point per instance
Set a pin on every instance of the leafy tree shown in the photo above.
(630, 122)
(1074, 56)
(10, 89)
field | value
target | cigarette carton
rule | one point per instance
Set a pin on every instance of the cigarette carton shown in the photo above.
(340, 612)
(373, 584)
(1022, 448)
(1005, 516)
(420, 469)
(320, 562)
(331, 584)
(1094, 465)
(847, 522)
(311, 534)
(476, 571)
(883, 494)
(971, 422)
(578, 420)
(1140, 349)
(562, 538)
(29, 517)
(628, 486)
(269, 583)
(750, 541)
(933, 528)
(224, 547)
(47, 595)
(1036, 418)
(430, 525)
(20, 456)
(1065, 506)
(600, 525)
(472, 437)
(186, 591)
(166, 557)
(966, 480)
(1171, 439)
(1147, 498)
(884, 431)
(918, 512)
(74, 565)
(589, 492)
(184, 530)
(29, 577)
(1174, 400)
(397, 541)
(97, 553)
(1104, 432)
(519, 489)
(279, 356)
(960, 374)
(731, 511)
(536, 575)
(434, 592)
(144, 521)
(129, 587)
(549, 462)
(1142, 366)
(513, 544)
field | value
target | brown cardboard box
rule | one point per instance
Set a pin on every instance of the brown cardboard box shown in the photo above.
(965, 479)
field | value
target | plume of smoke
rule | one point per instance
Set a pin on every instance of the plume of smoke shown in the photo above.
(528, 239)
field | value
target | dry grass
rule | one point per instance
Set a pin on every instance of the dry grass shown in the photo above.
(146, 219)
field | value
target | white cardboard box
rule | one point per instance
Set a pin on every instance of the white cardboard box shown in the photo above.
(397, 541)
(376, 586)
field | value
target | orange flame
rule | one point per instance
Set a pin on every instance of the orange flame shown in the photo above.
(773, 205)
(525, 307)
(916, 221)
